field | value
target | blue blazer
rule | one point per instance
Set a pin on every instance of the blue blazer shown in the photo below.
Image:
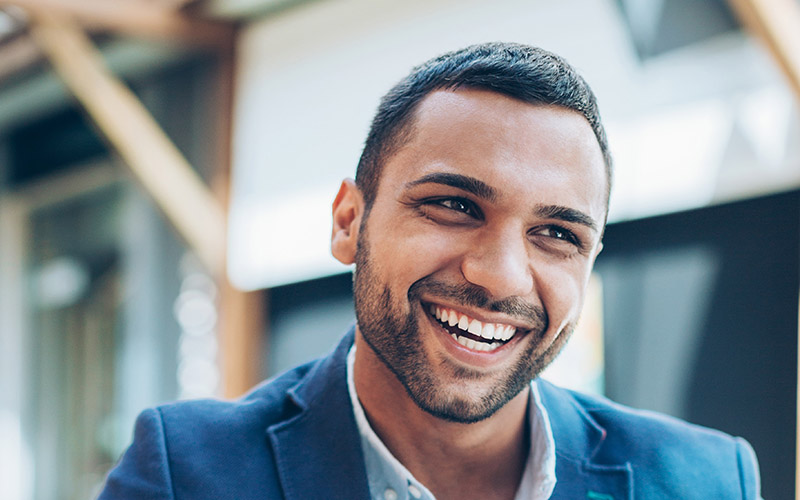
(295, 438)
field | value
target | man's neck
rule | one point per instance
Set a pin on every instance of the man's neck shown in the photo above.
(485, 459)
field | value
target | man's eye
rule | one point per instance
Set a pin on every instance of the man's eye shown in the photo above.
(458, 205)
(558, 233)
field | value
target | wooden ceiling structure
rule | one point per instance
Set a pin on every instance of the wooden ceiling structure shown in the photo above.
(777, 24)
(60, 31)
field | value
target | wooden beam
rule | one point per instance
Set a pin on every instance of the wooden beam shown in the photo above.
(241, 332)
(136, 18)
(777, 24)
(243, 323)
(135, 135)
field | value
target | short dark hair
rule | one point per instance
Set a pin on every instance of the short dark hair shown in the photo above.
(530, 74)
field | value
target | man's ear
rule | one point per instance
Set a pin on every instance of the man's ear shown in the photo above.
(348, 207)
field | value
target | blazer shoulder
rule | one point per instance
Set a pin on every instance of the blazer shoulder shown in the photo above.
(635, 422)
(211, 421)
(666, 448)
(206, 448)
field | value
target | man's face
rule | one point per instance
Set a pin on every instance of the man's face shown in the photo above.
(472, 263)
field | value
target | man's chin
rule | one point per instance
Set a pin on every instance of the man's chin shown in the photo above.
(458, 407)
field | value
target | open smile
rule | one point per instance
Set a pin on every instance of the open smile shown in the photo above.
(471, 332)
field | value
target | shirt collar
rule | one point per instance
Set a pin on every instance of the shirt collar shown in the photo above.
(389, 479)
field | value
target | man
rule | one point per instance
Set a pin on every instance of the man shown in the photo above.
(474, 221)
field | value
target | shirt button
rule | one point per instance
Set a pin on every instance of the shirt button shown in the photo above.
(390, 494)
(414, 491)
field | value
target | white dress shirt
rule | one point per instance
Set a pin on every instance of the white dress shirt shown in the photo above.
(389, 480)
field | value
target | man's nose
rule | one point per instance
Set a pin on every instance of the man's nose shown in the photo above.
(499, 263)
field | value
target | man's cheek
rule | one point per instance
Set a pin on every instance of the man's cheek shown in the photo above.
(563, 306)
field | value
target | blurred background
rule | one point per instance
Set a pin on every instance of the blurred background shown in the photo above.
(167, 169)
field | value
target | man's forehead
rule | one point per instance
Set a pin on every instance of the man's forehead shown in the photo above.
(492, 113)
(487, 121)
(465, 102)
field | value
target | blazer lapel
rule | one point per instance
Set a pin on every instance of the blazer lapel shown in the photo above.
(578, 438)
(318, 451)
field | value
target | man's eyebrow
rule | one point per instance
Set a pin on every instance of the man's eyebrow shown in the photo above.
(566, 214)
(464, 182)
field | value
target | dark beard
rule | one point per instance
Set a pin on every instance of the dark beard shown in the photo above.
(394, 337)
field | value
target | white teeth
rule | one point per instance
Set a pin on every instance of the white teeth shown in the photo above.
(510, 331)
(502, 333)
(489, 331)
(475, 345)
(505, 333)
(499, 331)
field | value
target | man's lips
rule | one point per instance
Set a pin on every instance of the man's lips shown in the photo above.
(471, 332)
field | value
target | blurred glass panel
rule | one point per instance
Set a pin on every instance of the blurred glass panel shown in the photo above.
(307, 320)
(74, 276)
(660, 26)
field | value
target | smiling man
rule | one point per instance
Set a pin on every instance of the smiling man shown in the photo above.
(474, 221)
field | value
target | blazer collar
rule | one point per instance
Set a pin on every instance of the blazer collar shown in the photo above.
(318, 451)
(578, 439)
